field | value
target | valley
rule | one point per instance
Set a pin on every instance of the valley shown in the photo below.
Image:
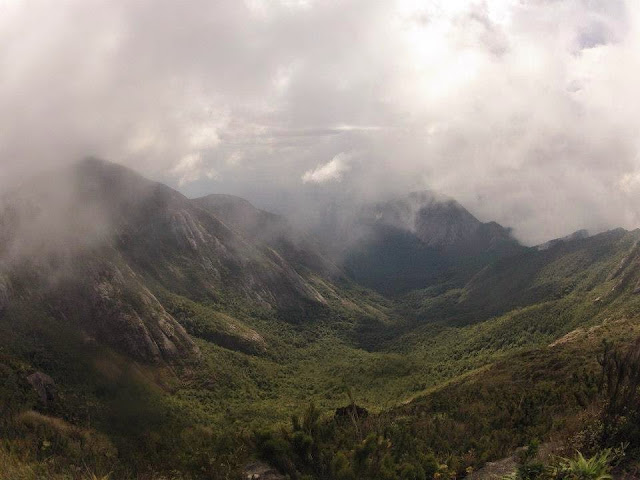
(182, 335)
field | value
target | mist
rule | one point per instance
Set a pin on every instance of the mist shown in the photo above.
(522, 110)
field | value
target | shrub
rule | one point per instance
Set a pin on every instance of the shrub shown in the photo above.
(597, 467)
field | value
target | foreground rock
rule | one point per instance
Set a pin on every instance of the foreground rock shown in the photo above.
(261, 471)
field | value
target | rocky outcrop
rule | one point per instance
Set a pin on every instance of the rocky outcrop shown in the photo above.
(44, 386)
(111, 305)
(261, 471)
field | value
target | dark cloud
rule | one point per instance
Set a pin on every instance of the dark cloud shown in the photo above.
(523, 110)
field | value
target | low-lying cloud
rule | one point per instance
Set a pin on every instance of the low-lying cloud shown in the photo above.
(332, 171)
(523, 110)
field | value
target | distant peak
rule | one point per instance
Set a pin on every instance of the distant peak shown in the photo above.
(97, 163)
(577, 235)
(97, 166)
(94, 161)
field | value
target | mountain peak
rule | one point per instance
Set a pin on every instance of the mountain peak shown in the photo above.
(438, 221)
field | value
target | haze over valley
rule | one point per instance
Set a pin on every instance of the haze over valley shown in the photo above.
(301, 240)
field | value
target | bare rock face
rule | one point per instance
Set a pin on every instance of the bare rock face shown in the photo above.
(113, 306)
(97, 292)
(44, 386)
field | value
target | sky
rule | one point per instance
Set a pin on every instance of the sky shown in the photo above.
(523, 110)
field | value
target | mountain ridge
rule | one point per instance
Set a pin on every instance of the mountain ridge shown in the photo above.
(183, 333)
(121, 232)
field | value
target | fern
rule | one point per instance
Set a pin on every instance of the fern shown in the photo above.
(595, 468)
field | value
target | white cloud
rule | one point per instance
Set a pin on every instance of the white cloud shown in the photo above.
(192, 167)
(526, 111)
(332, 171)
(630, 182)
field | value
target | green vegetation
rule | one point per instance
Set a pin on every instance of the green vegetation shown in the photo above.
(579, 467)
(451, 379)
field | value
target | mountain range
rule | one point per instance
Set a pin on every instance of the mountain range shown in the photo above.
(172, 325)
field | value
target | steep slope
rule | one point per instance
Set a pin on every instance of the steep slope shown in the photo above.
(271, 230)
(91, 244)
(568, 266)
(58, 255)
